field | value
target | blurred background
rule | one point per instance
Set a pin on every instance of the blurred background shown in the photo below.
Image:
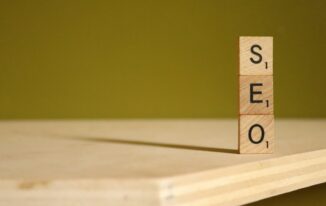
(154, 59)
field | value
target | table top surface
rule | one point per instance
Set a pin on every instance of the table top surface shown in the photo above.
(138, 149)
(153, 162)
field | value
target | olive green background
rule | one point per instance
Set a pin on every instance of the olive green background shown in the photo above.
(154, 59)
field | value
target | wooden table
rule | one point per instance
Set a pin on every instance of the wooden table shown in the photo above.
(152, 162)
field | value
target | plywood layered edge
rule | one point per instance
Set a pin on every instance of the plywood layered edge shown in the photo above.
(248, 182)
(233, 185)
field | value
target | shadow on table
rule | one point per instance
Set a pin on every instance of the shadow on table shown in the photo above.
(156, 144)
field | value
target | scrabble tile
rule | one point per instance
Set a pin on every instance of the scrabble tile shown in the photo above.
(256, 95)
(256, 55)
(256, 134)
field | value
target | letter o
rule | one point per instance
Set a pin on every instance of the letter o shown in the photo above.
(261, 137)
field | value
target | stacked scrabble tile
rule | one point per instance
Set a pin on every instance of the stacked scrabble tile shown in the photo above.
(256, 113)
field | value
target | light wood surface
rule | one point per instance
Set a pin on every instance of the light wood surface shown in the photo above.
(152, 162)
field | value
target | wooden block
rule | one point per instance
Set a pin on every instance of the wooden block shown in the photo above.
(256, 55)
(256, 95)
(256, 134)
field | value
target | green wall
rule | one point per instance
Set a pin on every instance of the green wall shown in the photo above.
(154, 59)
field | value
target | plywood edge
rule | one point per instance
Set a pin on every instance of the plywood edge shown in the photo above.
(246, 183)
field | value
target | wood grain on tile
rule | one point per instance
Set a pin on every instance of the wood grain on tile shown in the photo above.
(256, 95)
(256, 55)
(256, 134)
